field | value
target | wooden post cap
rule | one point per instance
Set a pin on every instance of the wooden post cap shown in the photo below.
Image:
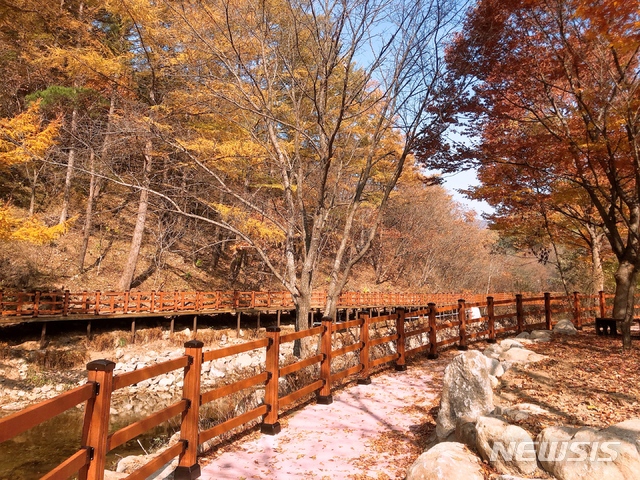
(273, 329)
(101, 366)
(193, 344)
(327, 319)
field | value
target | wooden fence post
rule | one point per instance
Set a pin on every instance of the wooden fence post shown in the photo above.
(36, 304)
(519, 314)
(96, 418)
(65, 303)
(547, 310)
(462, 318)
(188, 468)
(577, 310)
(324, 395)
(270, 424)
(492, 320)
(433, 332)
(401, 343)
(364, 378)
(96, 307)
(602, 304)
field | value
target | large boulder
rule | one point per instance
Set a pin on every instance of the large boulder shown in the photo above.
(466, 392)
(590, 454)
(508, 448)
(565, 327)
(446, 461)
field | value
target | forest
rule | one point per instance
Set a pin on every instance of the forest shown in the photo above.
(292, 144)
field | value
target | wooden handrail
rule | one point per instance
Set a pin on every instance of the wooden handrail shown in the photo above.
(70, 466)
(210, 355)
(220, 392)
(349, 348)
(19, 422)
(224, 427)
(290, 337)
(129, 378)
(95, 436)
(131, 431)
(298, 394)
(151, 467)
(294, 367)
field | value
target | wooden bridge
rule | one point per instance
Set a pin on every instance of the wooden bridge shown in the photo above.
(378, 342)
(39, 306)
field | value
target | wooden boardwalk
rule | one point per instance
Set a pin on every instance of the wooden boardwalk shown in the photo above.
(21, 307)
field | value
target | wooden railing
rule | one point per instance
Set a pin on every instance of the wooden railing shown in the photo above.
(381, 340)
(22, 306)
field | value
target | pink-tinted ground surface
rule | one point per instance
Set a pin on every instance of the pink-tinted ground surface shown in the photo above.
(369, 431)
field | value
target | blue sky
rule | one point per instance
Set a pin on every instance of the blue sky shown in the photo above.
(463, 180)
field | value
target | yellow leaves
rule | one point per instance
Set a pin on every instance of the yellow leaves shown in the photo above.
(23, 138)
(250, 225)
(30, 229)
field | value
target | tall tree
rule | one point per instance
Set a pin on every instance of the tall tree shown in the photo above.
(561, 78)
(302, 115)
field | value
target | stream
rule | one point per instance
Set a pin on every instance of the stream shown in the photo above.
(35, 452)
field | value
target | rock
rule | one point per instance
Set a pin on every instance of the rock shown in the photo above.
(520, 355)
(541, 335)
(508, 448)
(167, 380)
(466, 432)
(494, 381)
(513, 477)
(493, 351)
(495, 367)
(523, 335)
(466, 392)
(446, 461)
(565, 327)
(110, 475)
(628, 430)
(520, 411)
(590, 454)
(509, 343)
(243, 361)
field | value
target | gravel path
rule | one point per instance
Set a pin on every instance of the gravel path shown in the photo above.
(369, 431)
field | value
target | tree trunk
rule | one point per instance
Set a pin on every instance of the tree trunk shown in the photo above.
(596, 264)
(303, 307)
(626, 277)
(88, 219)
(94, 184)
(136, 241)
(64, 214)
